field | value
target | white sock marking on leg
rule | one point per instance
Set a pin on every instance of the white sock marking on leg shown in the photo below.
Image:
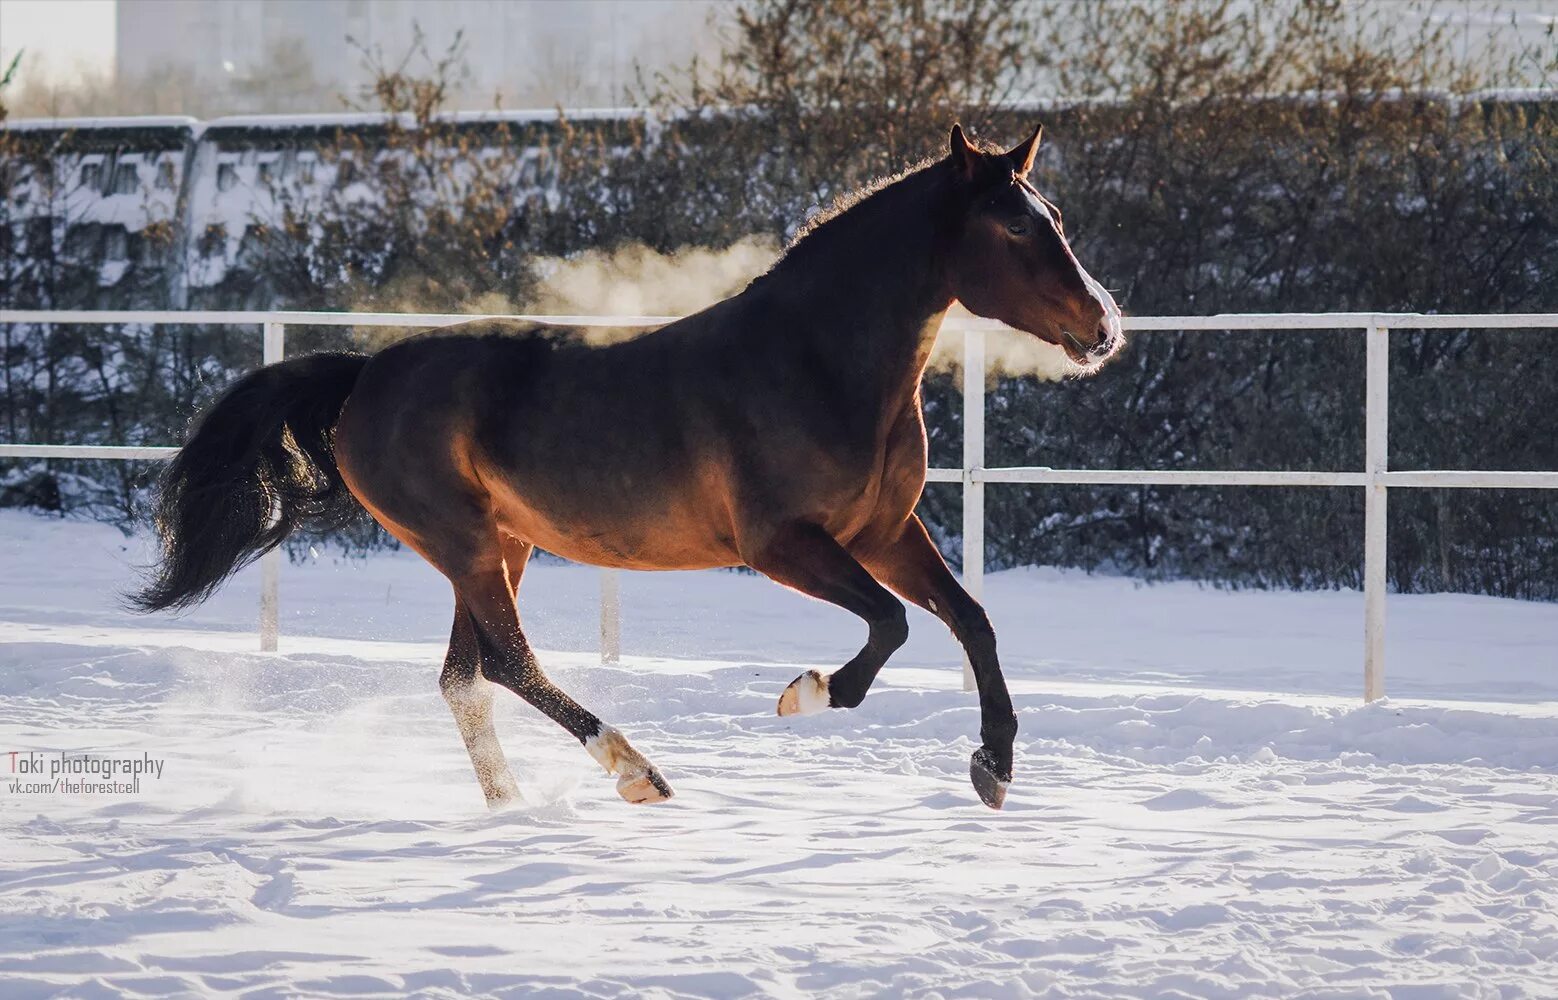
(811, 693)
(602, 746)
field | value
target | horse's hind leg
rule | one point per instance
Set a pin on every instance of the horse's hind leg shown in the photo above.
(469, 695)
(507, 659)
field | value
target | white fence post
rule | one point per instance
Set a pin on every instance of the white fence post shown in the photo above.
(1376, 461)
(610, 615)
(273, 349)
(973, 480)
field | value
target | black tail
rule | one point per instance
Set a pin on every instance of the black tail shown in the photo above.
(260, 463)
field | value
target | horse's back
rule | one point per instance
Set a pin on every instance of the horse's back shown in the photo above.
(590, 452)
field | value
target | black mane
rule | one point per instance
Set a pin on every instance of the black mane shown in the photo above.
(822, 228)
(849, 199)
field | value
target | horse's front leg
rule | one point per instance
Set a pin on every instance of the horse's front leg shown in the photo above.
(806, 558)
(909, 563)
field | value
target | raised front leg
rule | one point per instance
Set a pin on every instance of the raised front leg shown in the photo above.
(909, 563)
(806, 558)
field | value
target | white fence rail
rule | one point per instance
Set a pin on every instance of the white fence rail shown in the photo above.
(1375, 478)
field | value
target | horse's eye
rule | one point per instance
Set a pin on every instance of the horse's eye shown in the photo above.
(1018, 228)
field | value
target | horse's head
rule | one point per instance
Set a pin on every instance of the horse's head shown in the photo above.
(1011, 261)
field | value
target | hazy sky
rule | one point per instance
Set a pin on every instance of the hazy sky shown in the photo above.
(63, 38)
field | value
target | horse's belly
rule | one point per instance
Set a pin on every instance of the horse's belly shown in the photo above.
(650, 536)
(662, 552)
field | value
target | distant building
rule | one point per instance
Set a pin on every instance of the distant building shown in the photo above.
(293, 55)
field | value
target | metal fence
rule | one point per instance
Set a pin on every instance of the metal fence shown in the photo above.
(1375, 478)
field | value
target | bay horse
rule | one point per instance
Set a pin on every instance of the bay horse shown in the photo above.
(779, 429)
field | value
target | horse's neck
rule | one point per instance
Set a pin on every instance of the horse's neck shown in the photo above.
(874, 290)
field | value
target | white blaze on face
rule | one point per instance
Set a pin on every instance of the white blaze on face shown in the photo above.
(1098, 292)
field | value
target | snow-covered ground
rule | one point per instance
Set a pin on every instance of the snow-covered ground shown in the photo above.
(1202, 808)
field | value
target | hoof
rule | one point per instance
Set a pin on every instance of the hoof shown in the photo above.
(642, 789)
(988, 780)
(806, 695)
(637, 780)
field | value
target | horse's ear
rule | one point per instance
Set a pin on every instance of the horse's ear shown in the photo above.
(964, 156)
(1022, 154)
